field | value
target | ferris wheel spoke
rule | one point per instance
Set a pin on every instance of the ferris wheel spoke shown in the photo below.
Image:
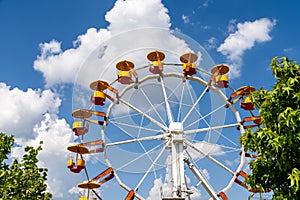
(195, 104)
(151, 166)
(168, 108)
(139, 132)
(152, 106)
(123, 116)
(180, 102)
(157, 137)
(139, 129)
(140, 156)
(203, 117)
(208, 156)
(226, 138)
(147, 153)
(187, 132)
(124, 131)
(208, 125)
(144, 114)
(170, 101)
(216, 129)
(134, 126)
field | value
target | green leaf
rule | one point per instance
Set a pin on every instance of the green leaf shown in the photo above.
(295, 177)
(278, 140)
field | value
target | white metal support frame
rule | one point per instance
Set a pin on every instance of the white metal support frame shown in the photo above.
(202, 180)
(178, 174)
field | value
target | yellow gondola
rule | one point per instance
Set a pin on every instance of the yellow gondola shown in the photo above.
(82, 148)
(240, 94)
(247, 104)
(80, 128)
(126, 68)
(77, 148)
(242, 91)
(76, 167)
(156, 57)
(87, 198)
(218, 78)
(88, 185)
(99, 97)
(124, 77)
(188, 67)
(85, 114)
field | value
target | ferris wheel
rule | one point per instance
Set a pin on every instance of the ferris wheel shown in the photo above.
(167, 130)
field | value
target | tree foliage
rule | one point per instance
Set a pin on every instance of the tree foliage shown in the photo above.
(24, 179)
(277, 142)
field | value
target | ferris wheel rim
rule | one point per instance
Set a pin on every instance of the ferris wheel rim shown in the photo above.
(177, 75)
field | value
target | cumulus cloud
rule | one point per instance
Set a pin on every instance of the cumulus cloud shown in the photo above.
(56, 135)
(59, 66)
(244, 38)
(31, 116)
(206, 148)
(162, 187)
(21, 110)
(132, 14)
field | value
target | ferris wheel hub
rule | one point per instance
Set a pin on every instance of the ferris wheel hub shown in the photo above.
(176, 126)
(177, 131)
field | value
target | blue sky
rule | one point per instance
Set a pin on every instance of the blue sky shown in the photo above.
(45, 43)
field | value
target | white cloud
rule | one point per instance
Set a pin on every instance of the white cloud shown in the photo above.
(206, 3)
(60, 66)
(244, 38)
(132, 14)
(31, 116)
(287, 50)
(206, 148)
(205, 27)
(95, 53)
(232, 162)
(205, 173)
(231, 26)
(185, 19)
(211, 43)
(21, 110)
(163, 188)
(56, 135)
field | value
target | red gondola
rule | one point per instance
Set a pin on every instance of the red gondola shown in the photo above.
(156, 57)
(218, 78)
(126, 68)
(188, 60)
